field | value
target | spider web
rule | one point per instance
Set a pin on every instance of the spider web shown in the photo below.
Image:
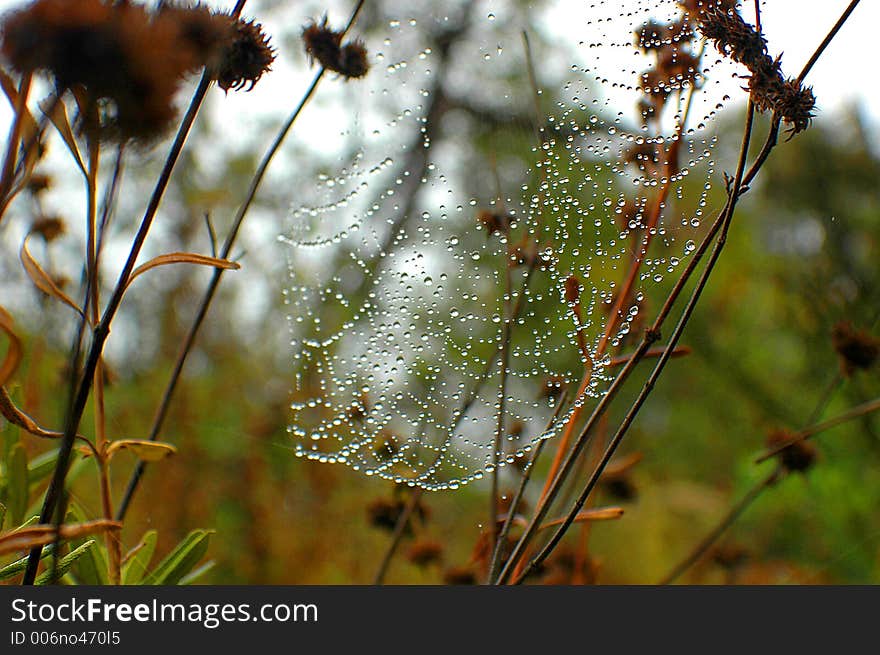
(398, 296)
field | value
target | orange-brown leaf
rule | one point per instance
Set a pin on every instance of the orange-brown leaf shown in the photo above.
(17, 417)
(42, 280)
(621, 465)
(56, 112)
(183, 258)
(13, 351)
(42, 535)
(599, 514)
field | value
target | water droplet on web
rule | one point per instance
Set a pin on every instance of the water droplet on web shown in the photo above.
(402, 235)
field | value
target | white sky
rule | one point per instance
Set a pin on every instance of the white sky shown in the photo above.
(793, 27)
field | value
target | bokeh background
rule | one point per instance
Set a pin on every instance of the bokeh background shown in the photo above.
(802, 257)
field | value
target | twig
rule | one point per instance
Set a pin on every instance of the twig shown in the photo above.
(741, 182)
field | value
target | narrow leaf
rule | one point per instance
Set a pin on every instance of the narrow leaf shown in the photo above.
(55, 572)
(42, 280)
(91, 568)
(183, 258)
(57, 113)
(181, 560)
(17, 417)
(28, 127)
(18, 566)
(601, 514)
(190, 578)
(148, 451)
(41, 535)
(139, 559)
(13, 352)
(17, 484)
(41, 467)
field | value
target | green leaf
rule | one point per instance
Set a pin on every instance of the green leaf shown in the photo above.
(77, 466)
(54, 573)
(41, 467)
(134, 569)
(148, 451)
(181, 560)
(2, 515)
(17, 484)
(19, 565)
(190, 578)
(91, 569)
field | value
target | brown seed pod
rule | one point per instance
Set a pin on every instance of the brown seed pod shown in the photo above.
(423, 553)
(245, 58)
(799, 456)
(324, 45)
(856, 349)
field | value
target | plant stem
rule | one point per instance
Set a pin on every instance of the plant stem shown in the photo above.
(397, 535)
(729, 519)
(860, 410)
(202, 311)
(102, 329)
(827, 40)
(727, 216)
(520, 492)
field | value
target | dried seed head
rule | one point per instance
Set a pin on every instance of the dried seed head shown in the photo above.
(493, 222)
(459, 575)
(799, 456)
(38, 183)
(383, 513)
(733, 37)
(125, 63)
(353, 60)
(204, 32)
(795, 105)
(620, 486)
(856, 349)
(424, 553)
(765, 84)
(324, 45)
(245, 57)
(49, 227)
